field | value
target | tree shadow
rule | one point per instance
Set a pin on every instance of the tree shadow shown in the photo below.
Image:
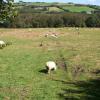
(82, 90)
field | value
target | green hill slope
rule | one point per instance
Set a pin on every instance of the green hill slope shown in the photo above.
(54, 7)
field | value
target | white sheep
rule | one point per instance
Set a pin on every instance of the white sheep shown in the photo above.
(54, 35)
(46, 35)
(2, 43)
(51, 65)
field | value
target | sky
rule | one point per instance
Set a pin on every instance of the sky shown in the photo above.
(94, 2)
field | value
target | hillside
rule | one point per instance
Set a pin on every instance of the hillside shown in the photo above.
(42, 7)
(41, 15)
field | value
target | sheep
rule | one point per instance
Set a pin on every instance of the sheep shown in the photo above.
(2, 43)
(54, 35)
(77, 29)
(46, 35)
(30, 30)
(51, 65)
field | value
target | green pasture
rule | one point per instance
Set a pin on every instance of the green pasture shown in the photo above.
(22, 64)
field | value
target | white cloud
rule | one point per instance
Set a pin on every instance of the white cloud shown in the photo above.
(92, 0)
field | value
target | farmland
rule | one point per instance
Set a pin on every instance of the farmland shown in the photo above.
(49, 15)
(54, 7)
(77, 8)
(22, 64)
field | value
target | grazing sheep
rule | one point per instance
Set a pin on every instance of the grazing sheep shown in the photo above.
(51, 65)
(2, 43)
(54, 35)
(77, 29)
(30, 30)
(46, 35)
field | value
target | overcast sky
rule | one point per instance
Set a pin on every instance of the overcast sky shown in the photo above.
(94, 2)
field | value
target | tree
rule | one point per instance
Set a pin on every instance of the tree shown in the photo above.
(6, 10)
(58, 22)
(93, 21)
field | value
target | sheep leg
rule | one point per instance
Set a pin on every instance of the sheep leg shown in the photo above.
(1, 46)
(48, 71)
(4, 45)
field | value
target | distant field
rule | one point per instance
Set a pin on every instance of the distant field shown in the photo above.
(42, 4)
(78, 8)
(22, 64)
(54, 9)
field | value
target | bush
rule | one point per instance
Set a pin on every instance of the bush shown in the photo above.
(93, 21)
(53, 20)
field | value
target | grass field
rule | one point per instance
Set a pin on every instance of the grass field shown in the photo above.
(55, 9)
(22, 64)
(78, 8)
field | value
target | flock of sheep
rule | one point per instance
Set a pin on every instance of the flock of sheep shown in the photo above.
(50, 65)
